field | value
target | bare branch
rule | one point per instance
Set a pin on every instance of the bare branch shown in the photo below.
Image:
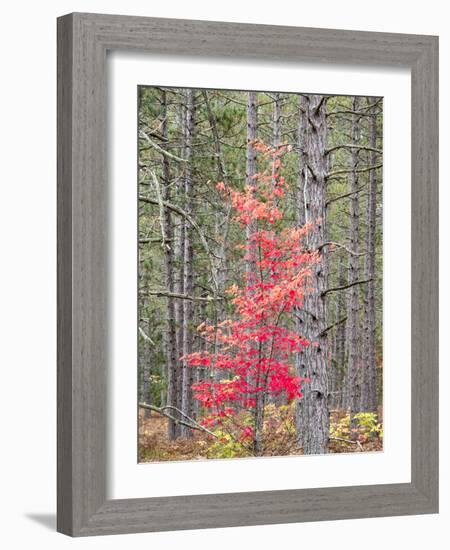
(189, 423)
(160, 149)
(351, 146)
(359, 170)
(213, 123)
(168, 294)
(319, 105)
(194, 224)
(349, 441)
(361, 112)
(325, 330)
(147, 240)
(231, 99)
(146, 337)
(344, 287)
(345, 195)
(161, 207)
(339, 245)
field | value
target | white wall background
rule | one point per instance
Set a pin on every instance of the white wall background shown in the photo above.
(28, 271)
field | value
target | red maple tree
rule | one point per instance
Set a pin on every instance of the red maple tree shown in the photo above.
(255, 349)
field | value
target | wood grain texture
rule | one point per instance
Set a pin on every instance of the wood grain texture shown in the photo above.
(64, 329)
(424, 276)
(83, 40)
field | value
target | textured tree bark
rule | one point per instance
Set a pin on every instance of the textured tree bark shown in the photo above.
(250, 169)
(170, 340)
(353, 382)
(315, 432)
(221, 226)
(179, 309)
(188, 305)
(276, 141)
(201, 373)
(300, 220)
(340, 366)
(179, 235)
(252, 121)
(276, 125)
(144, 386)
(369, 390)
(217, 146)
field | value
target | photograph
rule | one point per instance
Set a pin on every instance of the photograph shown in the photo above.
(260, 274)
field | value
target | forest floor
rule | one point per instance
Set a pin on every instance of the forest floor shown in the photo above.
(155, 446)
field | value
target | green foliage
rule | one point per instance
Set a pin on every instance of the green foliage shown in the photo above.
(279, 433)
(157, 386)
(340, 428)
(367, 426)
(227, 446)
(228, 443)
(368, 421)
(153, 454)
(279, 420)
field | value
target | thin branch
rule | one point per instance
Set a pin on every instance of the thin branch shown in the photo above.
(349, 112)
(213, 124)
(190, 423)
(362, 112)
(359, 170)
(339, 245)
(156, 135)
(153, 240)
(313, 174)
(351, 146)
(168, 294)
(232, 100)
(146, 337)
(161, 207)
(325, 330)
(345, 195)
(344, 287)
(349, 441)
(160, 149)
(194, 224)
(305, 311)
(317, 109)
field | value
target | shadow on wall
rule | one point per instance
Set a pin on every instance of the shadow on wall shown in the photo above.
(46, 520)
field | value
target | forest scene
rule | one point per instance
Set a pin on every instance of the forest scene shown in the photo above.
(260, 274)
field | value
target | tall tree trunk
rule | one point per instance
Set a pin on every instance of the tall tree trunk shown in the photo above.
(276, 141)
(300, 220)
(369, 390)
(146, 386)
(188, 336)
(340, 366)
(171, 337)
(200, 345)
(221, 226)
(217, 146)
(353, 373)
(276, 126)
(179, 312)
(338, 343)
(252, 121)
(315, 432)
(179, 235)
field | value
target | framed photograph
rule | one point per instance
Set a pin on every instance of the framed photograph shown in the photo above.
(247, 274)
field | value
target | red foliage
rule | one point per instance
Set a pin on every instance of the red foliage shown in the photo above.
(255, 349)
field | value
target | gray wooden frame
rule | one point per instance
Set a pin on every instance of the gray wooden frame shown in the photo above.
(83, 40)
